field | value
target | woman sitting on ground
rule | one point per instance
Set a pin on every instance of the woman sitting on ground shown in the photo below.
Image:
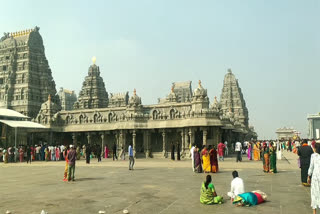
(208, 194)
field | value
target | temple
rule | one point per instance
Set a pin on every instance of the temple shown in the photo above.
(184, 116)
(25, 75)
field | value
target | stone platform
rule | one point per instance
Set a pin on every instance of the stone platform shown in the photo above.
(155, 186)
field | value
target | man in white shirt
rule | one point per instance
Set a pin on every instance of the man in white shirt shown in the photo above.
(192, 156)
(237, 149)
(237, 186)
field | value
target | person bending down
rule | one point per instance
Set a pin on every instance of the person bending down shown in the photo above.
(237, 186)
(208, 195)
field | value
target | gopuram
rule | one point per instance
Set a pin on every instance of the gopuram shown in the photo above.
(25, 75)
(183, 117)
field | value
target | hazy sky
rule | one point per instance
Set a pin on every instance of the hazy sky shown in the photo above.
(273, 48)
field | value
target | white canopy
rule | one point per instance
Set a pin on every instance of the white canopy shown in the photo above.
(22, 124)
(11, 113)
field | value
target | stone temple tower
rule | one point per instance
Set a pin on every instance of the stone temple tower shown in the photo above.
(25, 76)
(232, 99)
(93, 93)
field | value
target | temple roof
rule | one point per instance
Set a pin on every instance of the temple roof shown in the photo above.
(17, 38)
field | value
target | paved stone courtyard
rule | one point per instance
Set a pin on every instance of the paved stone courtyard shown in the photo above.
(155, 186)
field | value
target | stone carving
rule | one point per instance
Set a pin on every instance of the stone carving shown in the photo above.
(200, 94)
(18, 71)
(119, 99)
(231, 97)
(93, 93)
(5, 36)
(135, 100)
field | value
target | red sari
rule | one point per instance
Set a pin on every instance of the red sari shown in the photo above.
(221, 148)
(214, 160)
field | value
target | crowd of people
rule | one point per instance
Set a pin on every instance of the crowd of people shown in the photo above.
(206, 159)
(45, 152)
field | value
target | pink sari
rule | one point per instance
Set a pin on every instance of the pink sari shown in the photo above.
(249, 152)
(106, 152)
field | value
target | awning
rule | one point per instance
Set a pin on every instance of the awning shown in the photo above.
(11, 113)
(22, 124)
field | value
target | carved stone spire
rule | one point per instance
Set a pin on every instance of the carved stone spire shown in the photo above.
(232, 100)
(93, 93)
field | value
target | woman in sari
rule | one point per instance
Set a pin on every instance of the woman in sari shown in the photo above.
(266, 160)
(214, 160)
(21, 154)
(47, 154)
(273, 158)
(208, 195)
(206, 160)
(197, 161)
(256, 152)
(249, 151)
(57, 153)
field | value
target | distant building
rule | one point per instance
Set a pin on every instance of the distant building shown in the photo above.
(67, 99)
(314, 126)
(286, 133)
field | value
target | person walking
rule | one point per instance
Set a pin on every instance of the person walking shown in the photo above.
(314, 178)
(114, 152)
(305, 153)
(72, 156)
(65, 154)
(88, 153)
(28, 154)
(131, 158)
(98, 152)
(238, 148)
(226, 151)
(192, 156)
(221, 148)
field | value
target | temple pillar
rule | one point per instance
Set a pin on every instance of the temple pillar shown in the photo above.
(187, 142)
(205, 132)
(134, 143)
(191, 136)
(164, 143)
(74, 139)
(89, 138)
(121, 139)
(147, 143)
(102, 143)
(182, 149)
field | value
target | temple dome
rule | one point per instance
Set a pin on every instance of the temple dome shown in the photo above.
(134, 100)
(172, 97)
(200, 91)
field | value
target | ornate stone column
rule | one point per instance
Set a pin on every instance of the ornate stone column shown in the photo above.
(102, 143)
(182, 149)
(164, 143)
(121, 139)
(187, 142)
(74, 139)
(191, 136)
(146, 143)
(205, 132)
(134, 143)
(89, 138)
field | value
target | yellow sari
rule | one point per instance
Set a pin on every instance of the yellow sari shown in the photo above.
(206, 161)
(256, 152)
